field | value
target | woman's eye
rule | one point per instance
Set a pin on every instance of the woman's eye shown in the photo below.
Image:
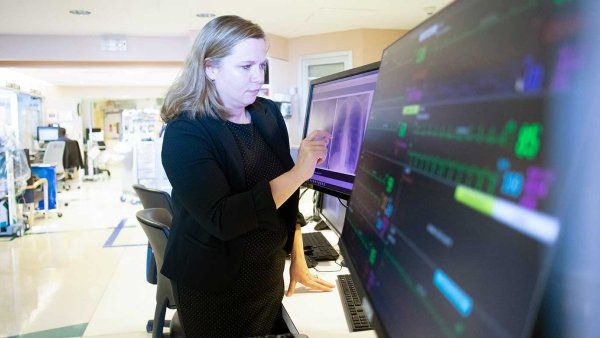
(246, 67)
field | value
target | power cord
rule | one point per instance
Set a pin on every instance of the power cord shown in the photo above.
(303, 192)
(318, 270)
(336, 262)
(342, 203)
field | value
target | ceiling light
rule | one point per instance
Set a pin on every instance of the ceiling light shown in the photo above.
(429, 10)
(206, 15)
(80, 12)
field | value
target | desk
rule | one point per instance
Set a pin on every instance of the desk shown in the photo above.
(318, 314)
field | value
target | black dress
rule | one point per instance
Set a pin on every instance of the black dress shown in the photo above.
(251, 306)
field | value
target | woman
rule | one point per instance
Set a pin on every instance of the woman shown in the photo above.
(235, 187)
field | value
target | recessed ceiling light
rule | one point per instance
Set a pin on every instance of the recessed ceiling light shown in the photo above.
(429, 10)
(80, 12)
(206, 15)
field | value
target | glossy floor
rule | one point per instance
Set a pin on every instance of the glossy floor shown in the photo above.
(81, 274)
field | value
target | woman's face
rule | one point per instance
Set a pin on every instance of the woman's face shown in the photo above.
(239, 76)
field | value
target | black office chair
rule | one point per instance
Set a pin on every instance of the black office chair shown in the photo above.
(152, 198)
(72, 161)
(156, 224)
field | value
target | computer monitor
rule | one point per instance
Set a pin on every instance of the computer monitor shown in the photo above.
(479, 163)
(89, 131)
(332, 211)
(97, 136)
(340, 104)
(45, 134)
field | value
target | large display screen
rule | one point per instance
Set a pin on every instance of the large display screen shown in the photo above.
(475, 168)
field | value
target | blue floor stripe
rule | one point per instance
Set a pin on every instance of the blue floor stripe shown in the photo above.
(125, 245)
(113, 236)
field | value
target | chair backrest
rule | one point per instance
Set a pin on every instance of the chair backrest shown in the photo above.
(54, 155)
(154, 198)
(156, 223)
(72, 158)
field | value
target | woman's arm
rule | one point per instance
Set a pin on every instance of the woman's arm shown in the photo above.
(283, 186)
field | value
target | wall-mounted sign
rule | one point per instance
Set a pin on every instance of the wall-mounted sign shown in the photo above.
(13, 85)
(114, 44)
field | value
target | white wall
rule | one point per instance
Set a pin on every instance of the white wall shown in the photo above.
(88, 48)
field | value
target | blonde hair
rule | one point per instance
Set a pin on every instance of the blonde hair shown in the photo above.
(193, 93)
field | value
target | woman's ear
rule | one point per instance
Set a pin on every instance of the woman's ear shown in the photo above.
(210, 69)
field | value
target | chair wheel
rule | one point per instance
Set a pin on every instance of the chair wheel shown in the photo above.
(60, 214)
(149, 326)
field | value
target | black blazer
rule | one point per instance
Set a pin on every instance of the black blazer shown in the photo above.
(213, 208)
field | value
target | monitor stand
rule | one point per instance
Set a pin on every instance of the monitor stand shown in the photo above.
(321, 226)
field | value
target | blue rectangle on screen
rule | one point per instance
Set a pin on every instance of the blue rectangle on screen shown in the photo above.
(455, 295)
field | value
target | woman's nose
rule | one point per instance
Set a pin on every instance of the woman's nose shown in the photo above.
(258, 75)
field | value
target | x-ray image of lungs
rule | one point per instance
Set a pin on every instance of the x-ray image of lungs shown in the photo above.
(348, 129)
(321, 118)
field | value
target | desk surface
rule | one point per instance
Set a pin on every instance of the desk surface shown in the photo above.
(319, 314)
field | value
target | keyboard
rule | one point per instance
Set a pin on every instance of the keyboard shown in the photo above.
(318, 247)
(357, 319)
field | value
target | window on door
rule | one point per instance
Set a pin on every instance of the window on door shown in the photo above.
(316, 66)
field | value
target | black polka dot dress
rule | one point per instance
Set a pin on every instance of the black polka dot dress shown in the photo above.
(251, 306)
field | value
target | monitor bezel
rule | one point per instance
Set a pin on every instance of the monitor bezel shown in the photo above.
(374, 66)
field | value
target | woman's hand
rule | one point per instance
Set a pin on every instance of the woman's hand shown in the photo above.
(299, 270)
(313, 151)
(299, 274)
